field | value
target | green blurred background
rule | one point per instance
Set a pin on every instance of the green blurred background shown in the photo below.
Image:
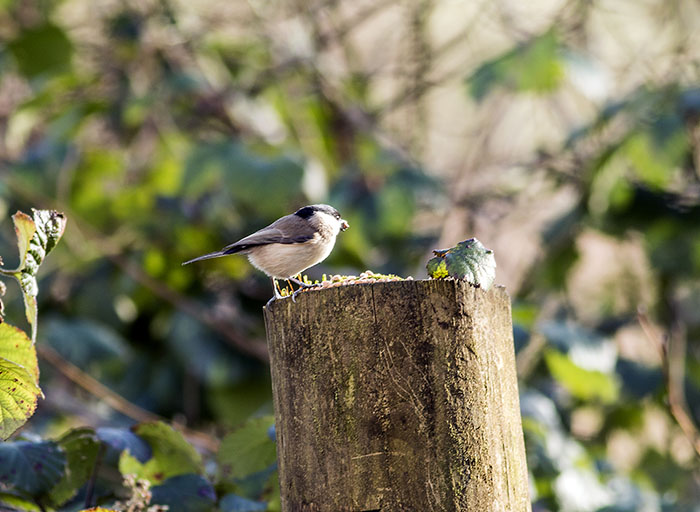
(564, 134)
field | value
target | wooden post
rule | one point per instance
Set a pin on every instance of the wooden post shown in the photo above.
(397, 397)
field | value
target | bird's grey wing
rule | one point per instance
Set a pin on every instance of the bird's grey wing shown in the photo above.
(290, 229)
(287, 230)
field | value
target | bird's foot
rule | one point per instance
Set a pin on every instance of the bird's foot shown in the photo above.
(303, 286)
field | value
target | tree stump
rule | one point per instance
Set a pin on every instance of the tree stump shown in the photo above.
(397, 396)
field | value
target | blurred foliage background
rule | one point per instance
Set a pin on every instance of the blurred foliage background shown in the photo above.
(564, 134)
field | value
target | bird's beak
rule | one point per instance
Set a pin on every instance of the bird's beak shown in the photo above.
(344, 224)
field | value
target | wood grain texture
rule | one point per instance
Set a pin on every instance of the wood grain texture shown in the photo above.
(398, 396)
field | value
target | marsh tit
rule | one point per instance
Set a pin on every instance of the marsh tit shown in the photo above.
(289, 245)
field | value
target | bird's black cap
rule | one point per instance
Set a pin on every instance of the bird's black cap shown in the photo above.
(308, 211)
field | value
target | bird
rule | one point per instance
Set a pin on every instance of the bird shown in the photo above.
(289, 245)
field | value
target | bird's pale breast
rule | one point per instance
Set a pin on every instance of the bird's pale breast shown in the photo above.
(286, 260)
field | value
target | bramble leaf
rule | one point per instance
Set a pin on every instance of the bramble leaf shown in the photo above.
(185, 493)
(15, 346)
(81, 447)
(30, 467)
(248, 449)
(468, 260)
(19, 374)
(24, 229)
(18, 397)
(36, 237)
(172, 455)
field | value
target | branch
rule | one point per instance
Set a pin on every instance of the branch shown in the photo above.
(672, 349)
(114, 400)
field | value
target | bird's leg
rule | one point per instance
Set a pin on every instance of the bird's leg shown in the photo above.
(289, 288)
(276, 288)
(302, 286)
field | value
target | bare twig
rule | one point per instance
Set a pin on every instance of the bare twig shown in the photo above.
(114, 400)
(672, 349)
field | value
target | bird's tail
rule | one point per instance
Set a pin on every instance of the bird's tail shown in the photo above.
(230, 249)
(209, 256)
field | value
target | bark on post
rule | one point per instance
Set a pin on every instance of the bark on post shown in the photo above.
(398, 396)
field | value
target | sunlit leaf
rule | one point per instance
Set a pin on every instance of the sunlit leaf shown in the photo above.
(172, 455)
(31, 467)
(81, 447)
(536, 66)
(582, 384)
(185, 493)
(468, 260)
(18, 395)
(36, 237)
(15, 502)
(24, 229)
(248, 449)
(655, 160)
(15, 346)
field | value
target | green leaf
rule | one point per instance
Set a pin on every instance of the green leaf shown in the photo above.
(172, 455)
(536, 66)
(234, 403)
(24, 229)
(81, 447)
(19, 379)
(36, 237)
(261, 182)
(41, 49)
(32, 468)
(248, 449)
(468, 260)
(15, 502)
(18, 393)
(656, 162)
(185, 493)
(15, 346)
(581, 383)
